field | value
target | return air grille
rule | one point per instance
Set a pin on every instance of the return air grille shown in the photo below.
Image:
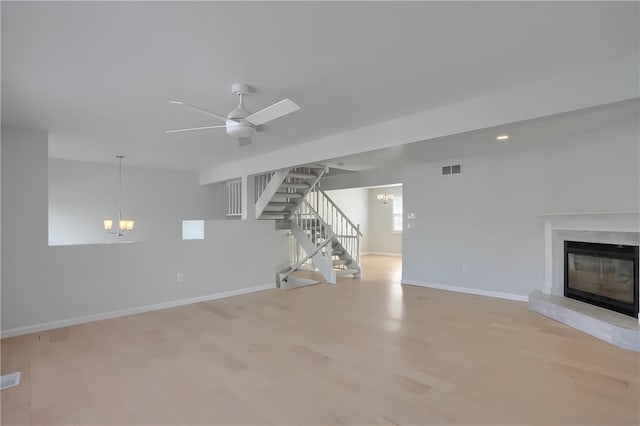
(454, 169)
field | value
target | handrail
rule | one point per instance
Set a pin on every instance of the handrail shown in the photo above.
(307, 257)
(316, 180)
(341, 212)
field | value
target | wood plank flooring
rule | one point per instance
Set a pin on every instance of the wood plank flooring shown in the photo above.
(362, 352)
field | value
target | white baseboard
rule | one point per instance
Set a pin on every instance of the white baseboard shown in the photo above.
(469, 290)
(381, 253)
(131, 311)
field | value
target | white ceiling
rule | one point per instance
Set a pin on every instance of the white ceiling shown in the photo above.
(98, 76)
(522, 136)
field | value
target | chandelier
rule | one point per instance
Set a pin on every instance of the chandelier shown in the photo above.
(384, 198)
(124, 225)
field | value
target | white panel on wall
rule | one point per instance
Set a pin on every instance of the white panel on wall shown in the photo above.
(193, 229)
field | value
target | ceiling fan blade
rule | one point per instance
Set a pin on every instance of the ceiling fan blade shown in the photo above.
(244, 141)
(194, 128)
(198, 109)
(277, 110)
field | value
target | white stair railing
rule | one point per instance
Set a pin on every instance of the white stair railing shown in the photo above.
(296, 252)
(269, 190)
(347, 232)
(234, 197)
(261, 182)
(315, 237)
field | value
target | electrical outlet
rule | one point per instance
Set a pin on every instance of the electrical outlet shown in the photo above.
(465, 267)
(180, 277)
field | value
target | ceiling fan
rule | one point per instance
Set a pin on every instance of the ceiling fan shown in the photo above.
(241, 123)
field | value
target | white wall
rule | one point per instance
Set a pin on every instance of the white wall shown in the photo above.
(82, 195)
(362, 179)
(382, 239)
(594, 172)
(353, 202)
(45, 286)
(486, 217)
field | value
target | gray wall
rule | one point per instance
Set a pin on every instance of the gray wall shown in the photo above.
(82, 195)
(353, 202)
(382, 239)
(43, 284)
(362, 179)
(487, 218)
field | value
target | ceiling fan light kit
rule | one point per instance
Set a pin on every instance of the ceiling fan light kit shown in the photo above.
(241, 123)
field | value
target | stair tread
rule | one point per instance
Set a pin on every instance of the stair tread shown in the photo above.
(289, 194)
(294, 185)
(301, 175)
(274, 215)
(278, 207)
(281, 203)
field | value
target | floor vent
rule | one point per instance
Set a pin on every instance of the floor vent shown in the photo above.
(9, 380)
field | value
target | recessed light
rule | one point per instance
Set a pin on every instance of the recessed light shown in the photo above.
(502, 137)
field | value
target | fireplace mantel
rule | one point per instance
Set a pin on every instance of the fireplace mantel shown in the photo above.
(599, 221)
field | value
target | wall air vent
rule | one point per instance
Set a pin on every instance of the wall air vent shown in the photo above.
(454, 169)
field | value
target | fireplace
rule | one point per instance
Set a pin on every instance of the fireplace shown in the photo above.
(605, 275)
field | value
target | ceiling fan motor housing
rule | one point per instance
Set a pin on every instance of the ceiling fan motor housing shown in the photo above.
(236, 126)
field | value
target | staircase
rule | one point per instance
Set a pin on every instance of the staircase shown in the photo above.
(321, 232)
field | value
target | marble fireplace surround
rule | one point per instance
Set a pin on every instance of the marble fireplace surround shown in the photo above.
(608, 228)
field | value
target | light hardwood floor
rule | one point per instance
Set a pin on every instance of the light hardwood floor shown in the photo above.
(364, 352)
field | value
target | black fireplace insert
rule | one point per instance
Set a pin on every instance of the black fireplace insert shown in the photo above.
(605, 275)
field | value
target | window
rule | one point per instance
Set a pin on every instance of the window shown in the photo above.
(397, 213)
